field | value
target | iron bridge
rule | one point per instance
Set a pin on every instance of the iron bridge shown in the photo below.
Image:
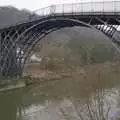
(17, 41)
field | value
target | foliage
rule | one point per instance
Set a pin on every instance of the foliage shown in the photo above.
(11, 15)
(100, 53)
(77, 52)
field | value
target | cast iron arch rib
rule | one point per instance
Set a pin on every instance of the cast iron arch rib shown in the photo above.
(108, 27)
(35, 32)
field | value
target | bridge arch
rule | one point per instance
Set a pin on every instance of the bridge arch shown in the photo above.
(75, 22)
(38, 31)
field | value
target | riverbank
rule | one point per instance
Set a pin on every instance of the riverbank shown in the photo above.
(20, 84)
(8, 84)
(86, 74)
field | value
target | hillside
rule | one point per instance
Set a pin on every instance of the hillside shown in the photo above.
(11, 15)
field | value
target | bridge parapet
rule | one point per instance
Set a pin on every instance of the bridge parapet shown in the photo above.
(83, 8)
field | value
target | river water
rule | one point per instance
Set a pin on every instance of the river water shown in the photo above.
(65, 99)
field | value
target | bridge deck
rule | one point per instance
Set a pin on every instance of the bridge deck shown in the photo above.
(84, 10)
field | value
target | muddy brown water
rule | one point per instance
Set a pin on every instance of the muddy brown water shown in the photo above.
(65, 99)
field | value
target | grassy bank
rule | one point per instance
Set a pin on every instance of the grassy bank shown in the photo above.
(88, 74)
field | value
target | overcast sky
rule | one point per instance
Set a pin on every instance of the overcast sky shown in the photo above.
(36, 4)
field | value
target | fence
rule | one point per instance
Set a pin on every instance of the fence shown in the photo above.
(109, 7)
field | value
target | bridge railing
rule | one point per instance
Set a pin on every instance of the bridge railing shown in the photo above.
(112, 7)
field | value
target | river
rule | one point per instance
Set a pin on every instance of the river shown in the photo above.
(65, 99)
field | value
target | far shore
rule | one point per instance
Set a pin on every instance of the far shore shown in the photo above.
(92, 72)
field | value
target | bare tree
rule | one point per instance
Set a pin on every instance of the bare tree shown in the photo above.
(96, 107)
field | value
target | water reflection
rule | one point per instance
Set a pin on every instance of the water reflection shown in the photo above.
(10, 104)
(61, 100)
(100, 105)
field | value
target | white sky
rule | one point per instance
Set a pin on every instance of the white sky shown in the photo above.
(36, 4)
